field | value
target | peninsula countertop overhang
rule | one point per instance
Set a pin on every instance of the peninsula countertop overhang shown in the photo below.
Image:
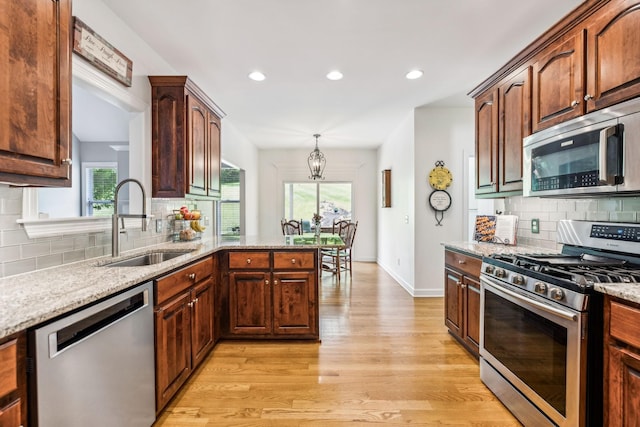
(32, 298)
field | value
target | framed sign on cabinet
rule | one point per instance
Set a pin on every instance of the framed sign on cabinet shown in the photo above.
(386, 188)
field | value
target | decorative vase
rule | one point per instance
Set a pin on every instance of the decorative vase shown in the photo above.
(317, 229)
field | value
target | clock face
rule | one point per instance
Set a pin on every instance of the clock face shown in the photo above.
(440, 200)
(440, 178)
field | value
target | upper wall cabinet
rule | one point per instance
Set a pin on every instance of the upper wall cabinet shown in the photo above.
(185, 139)
(486, 143)
(613, 54)
(35, 107)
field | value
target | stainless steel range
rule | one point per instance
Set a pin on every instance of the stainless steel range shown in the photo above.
(541, 322)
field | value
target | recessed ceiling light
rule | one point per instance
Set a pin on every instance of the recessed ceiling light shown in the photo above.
(257, 76)
(414, 74)
(334, 75)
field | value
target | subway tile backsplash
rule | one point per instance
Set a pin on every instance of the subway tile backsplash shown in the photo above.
(550, 211)
(19, 254)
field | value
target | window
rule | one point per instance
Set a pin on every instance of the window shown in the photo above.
(330, 200)
(230, 206)
(99, 187)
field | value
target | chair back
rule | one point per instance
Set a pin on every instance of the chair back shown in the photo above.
(291, 227)
(348, 233)
(338, 224)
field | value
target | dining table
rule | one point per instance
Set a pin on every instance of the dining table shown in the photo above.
(323, 241)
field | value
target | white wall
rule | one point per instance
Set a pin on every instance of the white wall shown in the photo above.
(411, 251)
(395, 233)
(357, 166)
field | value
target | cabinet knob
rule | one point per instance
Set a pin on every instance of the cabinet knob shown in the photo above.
(461, 261)
(275, 282)
(575, 103)
(266, 282)
(463, 286)
(195, 301)
(293, 260)
(192, 276)
(248, 260)
(588, 97)
(190, 303)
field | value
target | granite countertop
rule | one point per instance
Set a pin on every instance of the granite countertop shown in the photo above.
(32, 298)
(625, 291)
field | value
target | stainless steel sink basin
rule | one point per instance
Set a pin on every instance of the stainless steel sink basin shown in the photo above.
(146, 259)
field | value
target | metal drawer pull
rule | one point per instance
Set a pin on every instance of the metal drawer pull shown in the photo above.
(266, 282)
(248, 260)
(575, 103)
(192, 276)
(461, 261)
(275, 282)
(293, 260)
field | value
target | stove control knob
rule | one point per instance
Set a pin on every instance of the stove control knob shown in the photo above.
(500, 272)
(540, 288)
(489, 269)
(556, 294)
(517, 280)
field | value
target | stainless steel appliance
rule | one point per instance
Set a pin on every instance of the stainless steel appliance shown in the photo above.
(595, 153)
(95, 367)
(541, 322)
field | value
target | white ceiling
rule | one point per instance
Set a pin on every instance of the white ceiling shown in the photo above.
(458, 43)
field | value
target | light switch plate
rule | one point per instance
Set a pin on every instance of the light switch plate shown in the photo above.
(535, 226)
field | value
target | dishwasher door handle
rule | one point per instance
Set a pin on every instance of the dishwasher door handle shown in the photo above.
(96, 319)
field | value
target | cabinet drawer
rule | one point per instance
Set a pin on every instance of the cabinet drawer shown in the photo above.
(625, 323)
(293, 260)
(8, 367)
(248, 260)
(177, 282)
(10, 415)
(465, 263)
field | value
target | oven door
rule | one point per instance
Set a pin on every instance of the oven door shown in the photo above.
(537, 347)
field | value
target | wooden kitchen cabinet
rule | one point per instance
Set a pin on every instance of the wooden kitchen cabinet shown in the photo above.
(35, 107)
(462, 298)
(613, 54)
(185, 139)
(13, 392)
(503, 119)
(273, 294)
(558, 82)
(184, 325)
(622, 363)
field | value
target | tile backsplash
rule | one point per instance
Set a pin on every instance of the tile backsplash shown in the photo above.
(550, 211)
(19, 254)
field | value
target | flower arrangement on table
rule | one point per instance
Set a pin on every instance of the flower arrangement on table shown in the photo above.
(316, 221)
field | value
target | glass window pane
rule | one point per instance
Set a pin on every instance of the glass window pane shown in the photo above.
(101, 188)
(335, 202)
(229, 201)
(300, 200)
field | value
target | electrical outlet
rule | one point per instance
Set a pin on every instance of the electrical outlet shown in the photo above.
(535, 226)
(158, 226)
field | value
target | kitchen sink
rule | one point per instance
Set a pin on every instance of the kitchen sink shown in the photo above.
(146, 259)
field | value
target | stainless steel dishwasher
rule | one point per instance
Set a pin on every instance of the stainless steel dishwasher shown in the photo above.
(96, 367)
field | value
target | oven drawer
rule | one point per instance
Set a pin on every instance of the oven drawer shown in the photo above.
(625, 323)
(465, 263)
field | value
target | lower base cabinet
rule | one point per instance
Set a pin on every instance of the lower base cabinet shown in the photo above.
(184, 314)
(622, 363)
(13, 400)
(272, 294)
(462, 298)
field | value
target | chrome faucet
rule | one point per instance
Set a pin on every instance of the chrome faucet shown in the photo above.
(115, 230)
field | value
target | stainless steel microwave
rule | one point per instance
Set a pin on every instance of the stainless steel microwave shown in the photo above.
(598, 153)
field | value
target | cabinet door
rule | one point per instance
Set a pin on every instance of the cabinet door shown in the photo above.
(213, 177)
(623, 388)
(613, 49)
(202, 304)
(197, 139)
(173, 347)
(558, 82)
(486, 143)
(10, 415)
(250, 306)
(294, 303)
(453, 301)
(514, 125)
(471, 321)
(35, 106)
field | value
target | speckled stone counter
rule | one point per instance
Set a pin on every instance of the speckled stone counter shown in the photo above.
(32, 298)
(625, 291)
(485, 249)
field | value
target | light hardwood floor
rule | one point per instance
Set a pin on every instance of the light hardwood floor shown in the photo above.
(385, 358)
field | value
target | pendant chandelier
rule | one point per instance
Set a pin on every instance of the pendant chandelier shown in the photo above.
(316, 162)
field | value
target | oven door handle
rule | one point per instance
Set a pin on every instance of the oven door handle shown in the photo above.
(549, 309)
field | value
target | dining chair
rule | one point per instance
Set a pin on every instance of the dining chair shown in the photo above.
(291, 227)
(337, 225)
(340, 259)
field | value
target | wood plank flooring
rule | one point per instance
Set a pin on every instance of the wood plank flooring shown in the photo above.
(385, 358)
